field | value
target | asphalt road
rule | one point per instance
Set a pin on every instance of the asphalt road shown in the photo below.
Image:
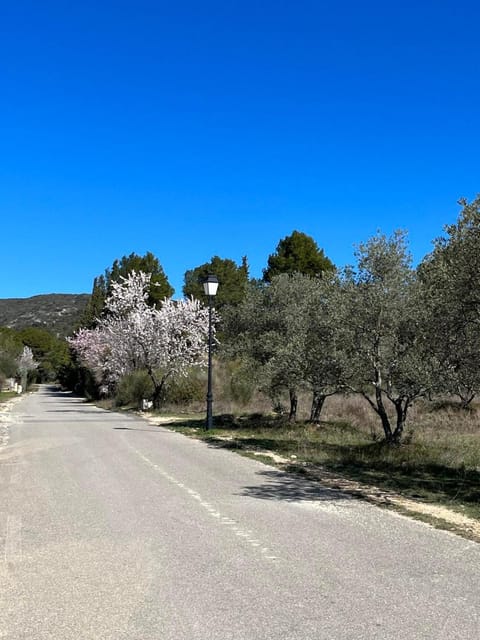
(114, 529)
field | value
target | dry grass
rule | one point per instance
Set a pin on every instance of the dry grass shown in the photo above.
(438, 461)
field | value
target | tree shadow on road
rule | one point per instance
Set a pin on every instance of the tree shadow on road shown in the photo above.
(279, 485)
(136, 429)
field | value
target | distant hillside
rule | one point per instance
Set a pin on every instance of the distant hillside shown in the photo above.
(58, 312)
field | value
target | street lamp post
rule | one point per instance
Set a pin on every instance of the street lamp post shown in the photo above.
(210, 286)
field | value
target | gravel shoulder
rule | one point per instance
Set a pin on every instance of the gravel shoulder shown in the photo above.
(6, 418)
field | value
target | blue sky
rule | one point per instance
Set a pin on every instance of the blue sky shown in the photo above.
(193, 129)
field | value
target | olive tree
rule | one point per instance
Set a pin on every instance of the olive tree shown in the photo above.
(323, 362)
(284, 331)
(450, 278)
(381, 335)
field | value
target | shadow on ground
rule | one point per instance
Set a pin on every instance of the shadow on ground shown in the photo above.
(284, 486)
(426, 481)
(398, 470)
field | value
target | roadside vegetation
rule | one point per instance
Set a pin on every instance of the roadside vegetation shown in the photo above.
(30, 355)
(437, 462)
(6, 395)
(371, 371)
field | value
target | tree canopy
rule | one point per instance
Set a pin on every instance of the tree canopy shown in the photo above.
(51, 353)
(231, 277)
(450, 276)
(297, 253)
(159, 289)
(10, 348)
(360, 330)
(380, 328)
(283, 331)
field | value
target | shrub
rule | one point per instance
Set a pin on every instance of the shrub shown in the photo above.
(183, 390)
(241, 383)
(133, 388)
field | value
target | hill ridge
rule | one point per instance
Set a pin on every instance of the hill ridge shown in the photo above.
(58, 312)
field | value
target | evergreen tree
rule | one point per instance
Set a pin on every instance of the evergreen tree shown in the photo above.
(51, 353)
(160, 288)
(297, 253)
(282, 332)
(96, 303)
(232, 280)
(10, 349)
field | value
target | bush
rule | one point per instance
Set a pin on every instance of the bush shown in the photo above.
(8, 365)
(183, 390)
(241, 382)
(133, 388)
(78, 379)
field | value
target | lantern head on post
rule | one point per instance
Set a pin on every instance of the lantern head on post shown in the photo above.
(210, 285)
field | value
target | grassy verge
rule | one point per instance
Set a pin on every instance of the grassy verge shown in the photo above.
(439, 467)
(7, 395)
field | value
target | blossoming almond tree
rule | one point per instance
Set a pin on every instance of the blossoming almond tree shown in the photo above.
(25, 364)
(165, 342)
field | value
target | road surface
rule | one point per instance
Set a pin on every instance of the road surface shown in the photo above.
(115, 529)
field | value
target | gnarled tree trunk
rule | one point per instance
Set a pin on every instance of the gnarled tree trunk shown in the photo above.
(318, 401)
(292, 416)
(401, 407)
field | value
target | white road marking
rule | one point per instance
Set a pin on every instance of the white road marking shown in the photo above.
(209, 508)
(13, 539)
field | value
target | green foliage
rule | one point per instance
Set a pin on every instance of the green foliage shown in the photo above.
(297, 253)
(450, 277)
(381, 330)
(79, 379)
(241, 382)
(136, 386)
(232, 281)
(160, 288)
(50, 352)
(133, 388)
(6, 395)
(185, 389)
(10, 348)
(277, 331)
(95, 304)
(8, 365)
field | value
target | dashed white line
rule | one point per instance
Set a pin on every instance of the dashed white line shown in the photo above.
(209, 508)
(13, 539)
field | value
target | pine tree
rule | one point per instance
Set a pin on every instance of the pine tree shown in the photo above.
(297, 253)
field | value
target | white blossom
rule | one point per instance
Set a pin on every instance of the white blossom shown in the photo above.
(165, 342)
(26, 361)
